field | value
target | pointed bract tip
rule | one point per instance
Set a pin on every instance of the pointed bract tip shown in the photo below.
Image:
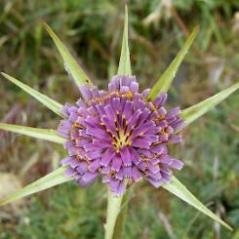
(124, 67)
(71, 65)
(164, 82)
(3, 74)
(48, 29)
(126, 9)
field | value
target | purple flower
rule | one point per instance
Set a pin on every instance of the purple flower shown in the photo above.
(120, 135)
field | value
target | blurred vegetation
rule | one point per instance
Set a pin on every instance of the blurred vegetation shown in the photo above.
(92, 30)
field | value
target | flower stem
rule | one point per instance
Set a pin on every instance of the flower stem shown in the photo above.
(113, 210)
(119, 226)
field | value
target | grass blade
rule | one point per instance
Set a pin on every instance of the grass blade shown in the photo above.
(164, 82)
(45, 134)
(124, 63)
(178, 189)
(71, 65)
(50, 180)
(45, 100)
(194, 112)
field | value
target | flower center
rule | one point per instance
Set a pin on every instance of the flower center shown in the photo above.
(121, 140)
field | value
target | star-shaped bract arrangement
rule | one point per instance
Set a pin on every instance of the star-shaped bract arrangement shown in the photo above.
(121, 134)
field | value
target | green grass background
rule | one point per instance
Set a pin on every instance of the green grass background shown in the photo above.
(92, 30)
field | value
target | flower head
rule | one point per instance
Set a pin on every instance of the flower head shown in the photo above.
(120, 135)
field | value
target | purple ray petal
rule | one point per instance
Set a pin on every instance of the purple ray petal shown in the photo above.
(87, 178)
(177, 164)
(116, 163)
(160, 100)
(136, 174)
(94, 166)
(82, 167)
(106, 158)
(126, 157)
(70, 172)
